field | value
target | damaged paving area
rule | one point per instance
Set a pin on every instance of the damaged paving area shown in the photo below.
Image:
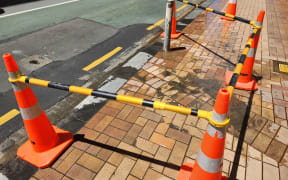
(124, 141)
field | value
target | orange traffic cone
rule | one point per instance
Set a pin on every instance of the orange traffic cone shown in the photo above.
(231, 9)
(174, 33)
(208, 165)
(46, 142)
(245, 80)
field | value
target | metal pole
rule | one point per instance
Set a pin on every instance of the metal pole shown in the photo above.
(168, 22)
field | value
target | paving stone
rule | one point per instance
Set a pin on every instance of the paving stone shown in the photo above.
(118, 123)
(252, 152)
(276, 150)
(267, 105)
(270, 172)
(282, 135)
(179, 120)
(132, 134)
(48, 173)
(269, 160)
(194, 132)
(114, 132)
(93, 149)
(178, 153)
(270, 129)
(229, 141)
(146, 145)
(266, 97)
(178, 136)
(103, 123)
(148, 129)
(68, 162)
(130, 177)
(105, 153)
(115, 158)
(194, 148)
(172, 173)
(140, 168)
(240, 173)
(191, 120)
(151, 174)
(106, 172)
(151, 115)
(132, 117)
(162, 140)
(90, 162)
(123, 169)
(244, 146)
(141, 121)
(162, 128)
(226, 166)
(88, 134)
(277, 93)
(254, 169)
(283, 172)
(280, 111)
(262, 142)
(94, 120)
(268, 114)
(257, 122)
(162, 155)
(202, 124)
(125, 112)
(109, 111)
(115, 104)
(250, 135)
(78, 172)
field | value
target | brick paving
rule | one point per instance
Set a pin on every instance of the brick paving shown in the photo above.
(124, 141)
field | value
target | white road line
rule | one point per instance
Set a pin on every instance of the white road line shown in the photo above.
(35, 9)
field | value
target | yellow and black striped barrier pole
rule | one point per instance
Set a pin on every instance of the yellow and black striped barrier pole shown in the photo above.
(219, 12)
(239, 65)
(108, 95)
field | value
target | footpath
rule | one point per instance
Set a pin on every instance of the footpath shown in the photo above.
(124, 141)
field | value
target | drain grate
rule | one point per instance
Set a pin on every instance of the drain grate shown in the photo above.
(281, 67)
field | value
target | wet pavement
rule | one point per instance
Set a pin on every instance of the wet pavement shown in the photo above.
(123, 141)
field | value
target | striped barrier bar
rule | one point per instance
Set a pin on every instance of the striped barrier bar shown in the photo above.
(220, 13)
(108, 95)
(239, 66)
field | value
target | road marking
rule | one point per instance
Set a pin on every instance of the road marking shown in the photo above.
(9, 115)
(155, 25)
(182, 7)
(35, 9)
(162, 20)
(102, 59)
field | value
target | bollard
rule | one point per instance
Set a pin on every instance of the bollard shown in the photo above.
(209, 161)
(168, 23)
(46, 142)
(174, 33)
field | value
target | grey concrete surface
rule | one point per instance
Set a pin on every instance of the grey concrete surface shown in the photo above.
(56, 43)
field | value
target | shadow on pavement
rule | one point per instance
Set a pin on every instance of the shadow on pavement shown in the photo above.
(227, 60)
(80, 137)
(233, 173)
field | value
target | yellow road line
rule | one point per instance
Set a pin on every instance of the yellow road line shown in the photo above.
(162, 20)
(155, 25)
(182, 7)
(102, 59)
(6, 117)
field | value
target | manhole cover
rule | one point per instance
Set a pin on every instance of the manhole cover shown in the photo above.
(281, 67)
